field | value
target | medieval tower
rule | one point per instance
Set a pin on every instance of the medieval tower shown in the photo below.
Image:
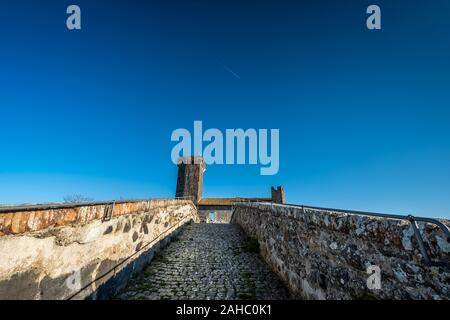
(190, 178)
(278, 195)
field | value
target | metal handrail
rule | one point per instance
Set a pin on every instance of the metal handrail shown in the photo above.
(412, 219)
(442, 226)
(434, 221)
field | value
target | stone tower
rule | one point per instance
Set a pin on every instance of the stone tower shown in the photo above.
(278, 195)
(190, 178)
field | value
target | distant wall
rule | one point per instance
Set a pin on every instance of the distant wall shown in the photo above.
(322, 254)
(222, 214)
(83, 251)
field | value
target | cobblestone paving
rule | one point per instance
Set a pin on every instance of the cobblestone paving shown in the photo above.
(207, 262)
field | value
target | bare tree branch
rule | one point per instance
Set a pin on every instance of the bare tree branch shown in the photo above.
(77, 198)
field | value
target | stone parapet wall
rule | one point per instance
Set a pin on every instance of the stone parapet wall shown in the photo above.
(323, 254)
(84, 251)
(17, 220)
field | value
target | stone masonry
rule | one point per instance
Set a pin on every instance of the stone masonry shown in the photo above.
(324, 254)
(157, 249)
(84, 250)
(207, 261)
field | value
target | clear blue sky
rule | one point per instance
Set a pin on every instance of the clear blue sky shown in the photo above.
(363, 116)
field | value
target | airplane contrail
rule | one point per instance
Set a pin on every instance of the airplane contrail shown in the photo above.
(230, 71)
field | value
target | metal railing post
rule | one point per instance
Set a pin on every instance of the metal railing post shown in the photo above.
(419, 239)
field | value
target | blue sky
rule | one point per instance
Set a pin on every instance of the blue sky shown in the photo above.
(363, 115)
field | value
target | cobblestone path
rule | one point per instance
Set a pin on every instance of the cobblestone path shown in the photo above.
(207, 262)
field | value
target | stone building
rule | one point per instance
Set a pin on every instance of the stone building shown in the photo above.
(212, 210)
(278, 195)
(190, 178)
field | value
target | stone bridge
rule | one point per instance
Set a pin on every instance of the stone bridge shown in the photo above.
(158, 249)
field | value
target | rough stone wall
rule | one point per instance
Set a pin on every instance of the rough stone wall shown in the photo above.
(73, 252)
(323, 254)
